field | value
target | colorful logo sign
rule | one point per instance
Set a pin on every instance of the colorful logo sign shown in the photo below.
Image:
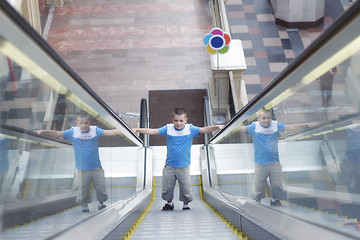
(217, 41)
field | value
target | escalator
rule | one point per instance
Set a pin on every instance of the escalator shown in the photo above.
(199, 223)
(38, 201)
(319, 160)
(37, 173)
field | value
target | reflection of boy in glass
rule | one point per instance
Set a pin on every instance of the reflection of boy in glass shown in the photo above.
(86, 147)
(326, 83)
(4, 161)
(350, 167)
(265, 133)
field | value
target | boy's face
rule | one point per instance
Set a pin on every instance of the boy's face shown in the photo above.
(179, 121)
(265, 119)
(83, 123)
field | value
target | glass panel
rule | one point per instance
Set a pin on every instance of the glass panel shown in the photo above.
(38, 177)
(44, 9)
(308, 122)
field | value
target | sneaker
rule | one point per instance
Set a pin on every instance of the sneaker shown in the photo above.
(85, 209)
(186, 208)
(168, 207)
(275, 203)
(102, 206)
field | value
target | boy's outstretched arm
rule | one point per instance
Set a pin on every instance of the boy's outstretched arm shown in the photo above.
(148, 131)
(241, 128)
(50, 133)
(208, 129)
(298, 126)
(112, 132)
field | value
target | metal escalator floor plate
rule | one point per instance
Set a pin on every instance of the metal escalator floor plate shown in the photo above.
(198, 223)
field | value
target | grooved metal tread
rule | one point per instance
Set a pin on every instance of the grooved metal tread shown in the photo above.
(198, 223)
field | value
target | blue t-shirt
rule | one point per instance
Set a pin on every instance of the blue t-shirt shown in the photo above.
(4, 154)
(179, 143)
(86, 146)
(265, 141)
(353, 144)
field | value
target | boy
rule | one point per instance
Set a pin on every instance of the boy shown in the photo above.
(179, 137)
(86, 147)
(326, 82)
(350, 166)
(265, 133)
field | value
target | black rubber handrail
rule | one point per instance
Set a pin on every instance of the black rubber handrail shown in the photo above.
(23, 133)
(144, 121)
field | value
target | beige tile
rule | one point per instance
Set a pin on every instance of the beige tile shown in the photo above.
(289, 53)
(265, 17)
(250, 61)
(277, 67)
(239, 29)
(308, 37)
(314, 35)
(265, 80)
(306, 42)
(260, 54)
(283, 34)
(19, 103)
(249, 8)
(311, 35)
(254, 31)
(233, 2)
(247, 44)
(19, 122)
(272, 42)
(252, 79)
(304, 34)
(236, 14)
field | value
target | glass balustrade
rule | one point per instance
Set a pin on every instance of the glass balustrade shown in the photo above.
(40, 92)
(317, 99)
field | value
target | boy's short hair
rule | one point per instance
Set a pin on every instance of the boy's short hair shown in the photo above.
(262, 111)
(83, 114)
(179, 111)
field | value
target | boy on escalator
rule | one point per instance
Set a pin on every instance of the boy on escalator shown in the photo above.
(179, 136)
(86, 147)
(265, 133)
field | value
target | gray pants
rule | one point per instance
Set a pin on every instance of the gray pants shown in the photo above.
(170, 174)
(350, 169)
(274, 173)
(97, 177)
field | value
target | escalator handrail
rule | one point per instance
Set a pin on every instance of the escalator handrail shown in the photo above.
(33, 35)
(30, 135)
(144, 121)
(312, 49)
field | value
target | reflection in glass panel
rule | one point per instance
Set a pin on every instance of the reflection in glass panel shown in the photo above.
(38, 176)
(317, 144)
(44, 9)
(32, 169)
